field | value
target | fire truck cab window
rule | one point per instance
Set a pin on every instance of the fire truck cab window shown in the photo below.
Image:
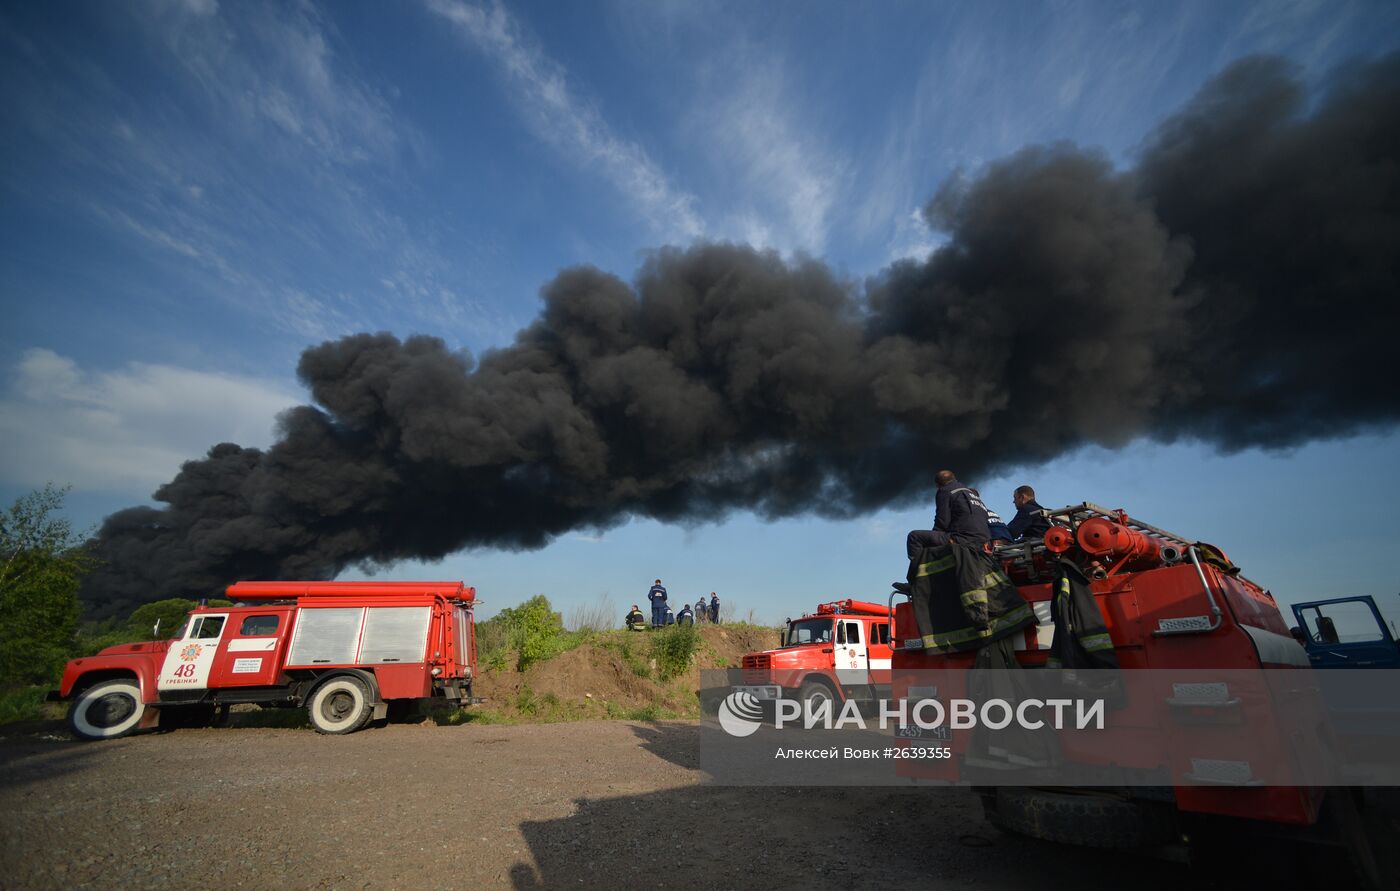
(809, 631)
(882, 632)
(852, 632)
(207, 627)
(259, 626)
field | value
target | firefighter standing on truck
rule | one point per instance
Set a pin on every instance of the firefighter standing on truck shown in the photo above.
(657, 596)
(960, 517)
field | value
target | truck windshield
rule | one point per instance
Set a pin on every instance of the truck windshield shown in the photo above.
(809, 631)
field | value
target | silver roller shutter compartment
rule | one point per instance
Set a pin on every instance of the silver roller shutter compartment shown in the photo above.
(395, 634)
(326, 636)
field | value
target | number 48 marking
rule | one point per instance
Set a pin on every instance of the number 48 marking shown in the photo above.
(185, 671)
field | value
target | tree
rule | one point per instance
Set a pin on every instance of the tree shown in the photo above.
(170, 613)
(42, 562)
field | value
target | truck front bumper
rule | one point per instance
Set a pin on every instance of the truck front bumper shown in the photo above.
(761, 692)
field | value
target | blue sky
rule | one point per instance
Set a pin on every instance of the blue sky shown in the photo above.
(193, 192)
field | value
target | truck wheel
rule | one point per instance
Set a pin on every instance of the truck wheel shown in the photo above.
(1371, 833)
(813, 694)
(340, 705)
(1095, 821)
(106, 710)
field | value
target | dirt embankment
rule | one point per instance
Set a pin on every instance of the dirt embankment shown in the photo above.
(617, 674)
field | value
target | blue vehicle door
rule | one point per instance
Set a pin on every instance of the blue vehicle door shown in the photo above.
(1348, 632)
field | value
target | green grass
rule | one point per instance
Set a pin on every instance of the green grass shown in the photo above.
(23, 704)
(649, 712)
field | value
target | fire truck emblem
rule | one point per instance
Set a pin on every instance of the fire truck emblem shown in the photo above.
(740, 714)
(191, 652)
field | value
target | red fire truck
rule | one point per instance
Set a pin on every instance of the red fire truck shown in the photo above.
(842, 651)
(343, 650)
(1169, 603)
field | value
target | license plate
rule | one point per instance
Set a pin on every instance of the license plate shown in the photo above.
(766, 691)
(914, 731)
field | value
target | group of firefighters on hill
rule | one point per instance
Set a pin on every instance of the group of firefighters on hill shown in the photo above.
(960, 517)
(662, 615)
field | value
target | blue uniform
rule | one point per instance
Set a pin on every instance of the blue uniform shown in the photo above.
(1030, 522)
(998, 529)
(702, 612)
(960, 517)
(657, 596)
(686, 617)
(714, 610)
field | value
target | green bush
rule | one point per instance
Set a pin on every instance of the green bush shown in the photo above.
(534, 631)
(492, 644)
(673, 648)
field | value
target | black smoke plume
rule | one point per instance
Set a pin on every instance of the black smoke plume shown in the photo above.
(1239, 286)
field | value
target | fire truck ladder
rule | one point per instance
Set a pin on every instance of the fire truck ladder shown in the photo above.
(1023, 556)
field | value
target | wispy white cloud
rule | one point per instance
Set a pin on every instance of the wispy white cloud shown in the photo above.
(127, 430)
(278, 71)
(263, 185)
(560, 115)
(789, 179)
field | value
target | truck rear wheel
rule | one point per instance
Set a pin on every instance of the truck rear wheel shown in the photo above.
(340, 705)
(1076, 818)
(107, 710)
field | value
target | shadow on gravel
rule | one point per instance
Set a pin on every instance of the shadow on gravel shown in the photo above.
(730, 837)
(674, 742)
(26, 761)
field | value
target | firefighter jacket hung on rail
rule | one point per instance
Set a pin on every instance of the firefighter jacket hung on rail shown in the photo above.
(962, 600)
(1081, 637)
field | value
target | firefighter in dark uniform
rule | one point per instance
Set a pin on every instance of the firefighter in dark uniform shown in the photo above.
(1030, 522)
(657, 596)
(959, 517)
(686, 617)
(635, 621)
(714, 608)
(702, 612)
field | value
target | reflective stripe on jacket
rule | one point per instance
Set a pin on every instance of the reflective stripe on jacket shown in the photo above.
(1081, 637)
(962, 599)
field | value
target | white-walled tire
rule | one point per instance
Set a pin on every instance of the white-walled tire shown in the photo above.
(106, 710)
(340, 705)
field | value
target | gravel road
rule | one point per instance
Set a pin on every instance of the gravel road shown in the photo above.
(579, 805)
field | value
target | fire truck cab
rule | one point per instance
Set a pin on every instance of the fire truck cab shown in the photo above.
(841, 651)
(342, 650)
